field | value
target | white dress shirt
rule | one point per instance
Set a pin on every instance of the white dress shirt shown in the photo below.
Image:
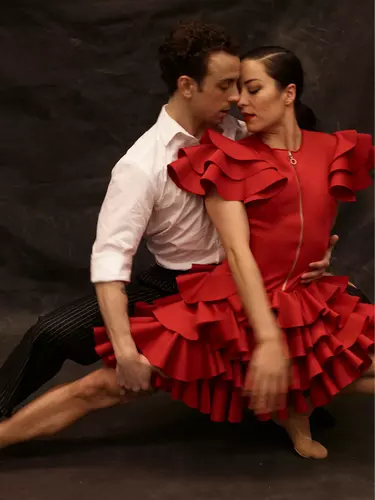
(142, 200)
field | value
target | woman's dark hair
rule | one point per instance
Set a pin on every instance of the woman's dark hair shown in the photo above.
(285, 68)
(187, 48)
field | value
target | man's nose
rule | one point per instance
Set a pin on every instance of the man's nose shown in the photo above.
(235, 96)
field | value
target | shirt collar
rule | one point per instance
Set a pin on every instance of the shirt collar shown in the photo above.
(169, 128)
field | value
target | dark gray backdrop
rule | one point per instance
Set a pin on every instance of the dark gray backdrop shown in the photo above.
(79, 83)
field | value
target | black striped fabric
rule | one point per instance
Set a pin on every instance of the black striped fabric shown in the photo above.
(356, 292)
(67, 333)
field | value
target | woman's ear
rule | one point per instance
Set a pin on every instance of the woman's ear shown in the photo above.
(290, 94)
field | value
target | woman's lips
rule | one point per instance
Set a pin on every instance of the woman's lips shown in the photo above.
(248, 116)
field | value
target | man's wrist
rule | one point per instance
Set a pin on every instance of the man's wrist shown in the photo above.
(125, 346)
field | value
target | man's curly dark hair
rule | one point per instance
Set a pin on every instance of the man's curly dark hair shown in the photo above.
(187, 48)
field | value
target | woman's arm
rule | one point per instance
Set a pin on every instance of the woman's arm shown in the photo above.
(232, 224)
(267, 378)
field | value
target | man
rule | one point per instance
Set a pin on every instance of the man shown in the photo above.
(200, 67)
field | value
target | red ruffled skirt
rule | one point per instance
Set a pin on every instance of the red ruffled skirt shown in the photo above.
(201, 340)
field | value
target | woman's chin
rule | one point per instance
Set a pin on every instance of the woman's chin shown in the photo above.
(252, 128)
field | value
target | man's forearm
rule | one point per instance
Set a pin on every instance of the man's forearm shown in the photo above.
(113, 303)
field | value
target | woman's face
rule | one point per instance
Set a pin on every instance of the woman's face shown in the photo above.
(262, 103)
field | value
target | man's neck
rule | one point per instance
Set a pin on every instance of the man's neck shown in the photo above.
(180, 112)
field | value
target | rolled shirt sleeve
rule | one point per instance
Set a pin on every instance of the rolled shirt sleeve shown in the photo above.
(122, 221)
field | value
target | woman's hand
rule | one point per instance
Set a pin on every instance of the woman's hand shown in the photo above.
(267, 378)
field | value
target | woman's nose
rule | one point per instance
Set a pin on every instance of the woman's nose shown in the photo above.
(242, 101)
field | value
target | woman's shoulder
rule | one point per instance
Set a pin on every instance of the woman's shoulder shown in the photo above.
(347, 138)
(350, 158)
(320, 138)
(235, 169)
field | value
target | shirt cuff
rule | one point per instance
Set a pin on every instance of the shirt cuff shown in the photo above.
(110, 266)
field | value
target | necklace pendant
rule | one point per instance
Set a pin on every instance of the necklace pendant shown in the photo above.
(292, 160)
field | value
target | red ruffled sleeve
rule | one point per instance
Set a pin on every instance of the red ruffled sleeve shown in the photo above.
(238, 172)
(351, 165)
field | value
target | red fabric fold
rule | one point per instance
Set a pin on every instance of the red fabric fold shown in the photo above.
(240, 172)
(236, 171)
(204, 346)
(351, 165)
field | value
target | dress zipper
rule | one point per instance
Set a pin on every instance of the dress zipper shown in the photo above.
(293, 163)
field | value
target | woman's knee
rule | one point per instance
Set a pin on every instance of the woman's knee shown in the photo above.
(365, 385)
(371, 371)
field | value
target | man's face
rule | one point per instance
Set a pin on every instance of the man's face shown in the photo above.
(211, 101)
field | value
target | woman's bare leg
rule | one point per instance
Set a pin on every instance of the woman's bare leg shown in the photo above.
(61, 406)
(298, 429)
(365, 384)
(298, 426)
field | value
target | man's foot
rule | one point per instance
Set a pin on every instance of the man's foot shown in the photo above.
(298, 429)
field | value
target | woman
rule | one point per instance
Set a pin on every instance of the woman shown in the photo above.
(247, 331)
(279, 190)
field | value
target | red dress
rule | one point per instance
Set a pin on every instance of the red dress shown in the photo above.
(201, 338)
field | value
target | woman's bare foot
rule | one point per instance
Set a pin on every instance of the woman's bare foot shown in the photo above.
(298, 429)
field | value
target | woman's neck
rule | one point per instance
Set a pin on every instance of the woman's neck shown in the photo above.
(286, 135)
(178, 109)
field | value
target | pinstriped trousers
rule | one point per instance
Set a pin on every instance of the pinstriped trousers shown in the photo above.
(67, 334)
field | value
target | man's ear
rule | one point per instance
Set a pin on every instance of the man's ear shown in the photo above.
(186, 86)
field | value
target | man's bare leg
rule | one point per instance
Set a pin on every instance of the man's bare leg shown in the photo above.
(65, 404)
(62, 406)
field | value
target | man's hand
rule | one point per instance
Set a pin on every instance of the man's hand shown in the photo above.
(321, 266)
(267, 378)
(133, 371)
